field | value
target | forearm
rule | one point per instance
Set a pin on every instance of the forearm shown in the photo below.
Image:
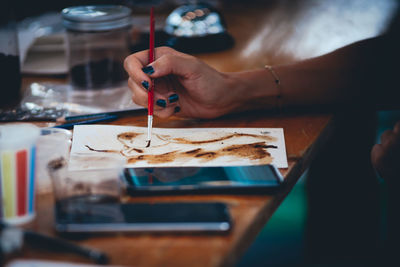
(345, 76)
(335, 79)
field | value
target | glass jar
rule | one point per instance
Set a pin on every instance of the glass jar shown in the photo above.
(10, 73)
(97, 44)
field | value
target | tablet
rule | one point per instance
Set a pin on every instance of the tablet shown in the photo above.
(257, 179)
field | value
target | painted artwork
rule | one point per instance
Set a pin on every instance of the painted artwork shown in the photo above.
(178, 147)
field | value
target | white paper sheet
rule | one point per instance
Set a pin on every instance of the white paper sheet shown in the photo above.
(178, 147)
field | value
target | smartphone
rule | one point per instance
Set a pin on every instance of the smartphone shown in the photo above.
(259, 179)
(144, 217)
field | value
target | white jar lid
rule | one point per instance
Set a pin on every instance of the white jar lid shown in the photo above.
(96, 18)
(17, 136)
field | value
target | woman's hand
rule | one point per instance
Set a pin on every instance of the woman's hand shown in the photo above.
(386, 155)
(185, 86)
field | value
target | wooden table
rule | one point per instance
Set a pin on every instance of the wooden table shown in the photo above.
(304, 135)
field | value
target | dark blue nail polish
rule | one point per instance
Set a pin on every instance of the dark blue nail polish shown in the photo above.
(173, 98)
(145, 85)
(161, 103)
(177, 109)
(148, 70)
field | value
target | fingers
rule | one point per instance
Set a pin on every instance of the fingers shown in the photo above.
(165, 112)
(168, 61)
(386, 137)
(176, 64)
(391, 137)
(396, 128)
(135, 63)
(165, 101)
(167, 106)
(376, 156)
(139, 95)
(141, 78)
(384, 156)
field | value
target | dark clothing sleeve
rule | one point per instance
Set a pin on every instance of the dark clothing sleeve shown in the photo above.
(384, 90)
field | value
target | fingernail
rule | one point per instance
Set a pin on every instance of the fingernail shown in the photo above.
(177, 109)
(173, 98)
(148, 70)
(145, 85)
(161, 102)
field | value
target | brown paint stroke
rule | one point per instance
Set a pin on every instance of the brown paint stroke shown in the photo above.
(132, 135)
(102, 150)
(128, 135)
(163, 137)
(207, 155)
(161, 158)
(186, 141)
(130, 149)
(194, 151)
(254, 151)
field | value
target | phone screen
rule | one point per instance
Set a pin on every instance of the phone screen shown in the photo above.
(89, 217)
(213, 179)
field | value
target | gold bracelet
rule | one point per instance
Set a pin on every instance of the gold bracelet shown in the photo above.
(278, 86)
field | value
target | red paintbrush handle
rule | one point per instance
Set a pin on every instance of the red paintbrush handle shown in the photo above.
(150, 99)
(151, 43)
(151, 59)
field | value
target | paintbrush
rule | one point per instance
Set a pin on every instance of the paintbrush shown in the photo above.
(151, 89)
(12, 239)
(89, 116)
(70, 125)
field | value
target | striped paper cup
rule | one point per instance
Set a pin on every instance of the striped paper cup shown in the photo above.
(17, 172)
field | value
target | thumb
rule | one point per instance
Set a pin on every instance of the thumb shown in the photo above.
(174, 63)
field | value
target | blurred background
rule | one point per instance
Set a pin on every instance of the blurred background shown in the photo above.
(26, 8)
(318, 27)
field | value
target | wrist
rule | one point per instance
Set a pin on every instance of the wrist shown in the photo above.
(255, 89)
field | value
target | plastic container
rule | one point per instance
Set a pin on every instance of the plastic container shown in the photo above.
(17, 172)
(52, 144)
(97, 44)
(99, 183)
